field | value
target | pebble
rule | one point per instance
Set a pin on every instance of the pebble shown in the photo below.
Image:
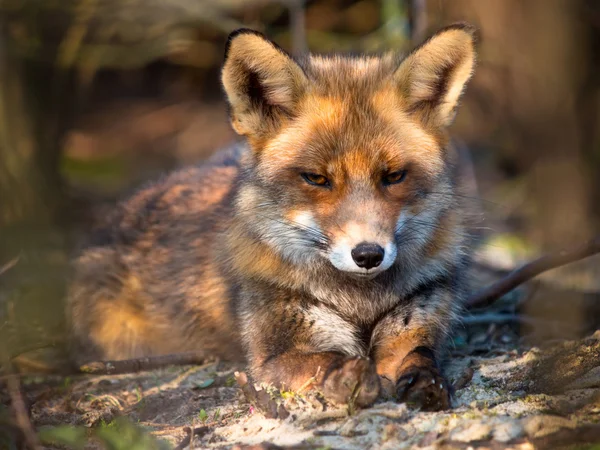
(393, 431)
(542, 425)
(590, 379)
(475, 431)
(508, 430)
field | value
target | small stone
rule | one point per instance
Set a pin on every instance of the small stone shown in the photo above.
(508, 430)
(589, 380)
(475, 431)
(542, 425)
(348, 429)
(428, 439)
(393, 431)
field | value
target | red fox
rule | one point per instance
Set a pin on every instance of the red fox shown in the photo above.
(330, 246)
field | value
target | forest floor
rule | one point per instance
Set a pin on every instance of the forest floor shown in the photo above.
(517, 398)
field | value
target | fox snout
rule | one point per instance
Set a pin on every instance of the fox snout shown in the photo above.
(362, 249)
(367, 256)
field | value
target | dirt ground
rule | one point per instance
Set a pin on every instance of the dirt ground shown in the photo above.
(519, 397)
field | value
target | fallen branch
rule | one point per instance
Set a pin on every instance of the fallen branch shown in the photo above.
(142, 364)
(526, 272)
(21, 415)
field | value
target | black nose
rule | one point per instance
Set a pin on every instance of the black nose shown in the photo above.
(367, 256)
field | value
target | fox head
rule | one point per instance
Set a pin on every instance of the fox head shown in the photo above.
(348, 160)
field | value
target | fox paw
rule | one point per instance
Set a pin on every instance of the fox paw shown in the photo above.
(355, 381)
(424, 388)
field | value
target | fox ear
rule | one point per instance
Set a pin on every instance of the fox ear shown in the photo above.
(261, 81)
(432, 77)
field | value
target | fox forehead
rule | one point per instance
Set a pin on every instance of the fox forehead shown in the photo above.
(352, 116)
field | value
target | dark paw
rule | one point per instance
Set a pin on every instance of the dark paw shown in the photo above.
(424, 388)
(354, 381)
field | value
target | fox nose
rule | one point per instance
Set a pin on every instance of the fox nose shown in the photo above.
(367, 256)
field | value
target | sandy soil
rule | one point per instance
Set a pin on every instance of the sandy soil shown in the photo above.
(517, 398)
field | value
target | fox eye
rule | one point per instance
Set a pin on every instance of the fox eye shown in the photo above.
(315, 179)
(394, 177)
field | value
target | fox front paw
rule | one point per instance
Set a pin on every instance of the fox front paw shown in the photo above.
(354, 380)
(424, 388)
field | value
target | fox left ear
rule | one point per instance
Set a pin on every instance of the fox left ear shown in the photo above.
(262, 83)
(432, 77)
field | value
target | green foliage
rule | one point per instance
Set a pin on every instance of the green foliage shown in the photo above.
(123, 435)
(202, 415)
(105, 171)
(67, 435)
(120, 434)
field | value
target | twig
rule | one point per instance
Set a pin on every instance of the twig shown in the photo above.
(191, 433)
(9, 265)
(490, 294)
(312, 380)
(141, 364)
(21, 416)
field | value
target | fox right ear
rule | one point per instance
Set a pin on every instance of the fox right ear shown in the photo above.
(261, 81)
(432, 78)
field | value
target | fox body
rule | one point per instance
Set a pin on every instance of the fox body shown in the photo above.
(329, 246)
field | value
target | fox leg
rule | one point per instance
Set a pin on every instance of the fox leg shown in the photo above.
(406, 346)
(298, 347)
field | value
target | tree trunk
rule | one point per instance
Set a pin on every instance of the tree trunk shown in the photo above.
(33, 242)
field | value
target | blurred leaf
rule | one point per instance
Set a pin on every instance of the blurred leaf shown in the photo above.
(206, 383)
(202, 415)
(70, 436)
(121, 434)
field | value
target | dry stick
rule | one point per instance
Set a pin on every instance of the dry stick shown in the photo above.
(21, 416)
(9, 265)
(526, 272)
(141, 364)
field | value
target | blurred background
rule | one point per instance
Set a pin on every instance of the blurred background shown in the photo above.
(97, 96)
